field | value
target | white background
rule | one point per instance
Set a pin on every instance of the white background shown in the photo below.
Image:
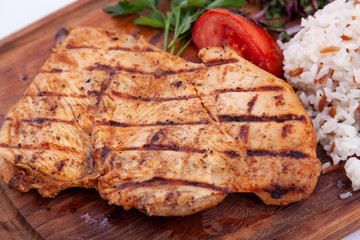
(17, 14)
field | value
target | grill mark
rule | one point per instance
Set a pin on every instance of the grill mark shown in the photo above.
(168, 123)
(154, 39)
(42, 120)
(255, 89)
(225, 72)
(157, 181)
(217, 62)
(46, 146)
(291, 154)
(9, 119)
(113, 124)
(132, 50)
(252, 103)
(104, 67)
(128, 96)
(151, 99)
(157, 147)
(157, 73)
(51, 94)
(101, 67)
(264, 118)
(244, 133)
(69, 46)
(53, 70)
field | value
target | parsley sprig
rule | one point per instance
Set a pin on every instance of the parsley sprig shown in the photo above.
(180, 19)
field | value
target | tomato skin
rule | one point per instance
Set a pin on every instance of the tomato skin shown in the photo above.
(219, 27)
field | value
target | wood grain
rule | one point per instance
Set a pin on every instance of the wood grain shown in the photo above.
(81, 213)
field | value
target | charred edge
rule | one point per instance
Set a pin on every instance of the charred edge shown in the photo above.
(218, 62)
(15, 181)
(104, 153)
(244, 133)
(129, 49)
(286, 129)
(78, 47)
(249, 118)
(278, 191)
(21, 180)
(42, 120)
(156, 147)
(61, 33)
(256, 89)
(171, 123)
(150, 99)
(60, 37)
(46, 146)
(156, 181)
(291, 154)
(252, 103)
(51, 94)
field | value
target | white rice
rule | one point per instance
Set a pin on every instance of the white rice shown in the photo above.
(327, 50)
(345, 195)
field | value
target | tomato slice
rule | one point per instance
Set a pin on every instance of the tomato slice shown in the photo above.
(219, 27)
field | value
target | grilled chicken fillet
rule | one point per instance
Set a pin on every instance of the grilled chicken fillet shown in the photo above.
(153, 131)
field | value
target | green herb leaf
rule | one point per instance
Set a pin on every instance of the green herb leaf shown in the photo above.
(180, 19)
(226, 4)
(146, 3)
(123, 8)
(197, 3)
(154, 20)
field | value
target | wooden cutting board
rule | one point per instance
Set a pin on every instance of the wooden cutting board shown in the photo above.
(81, 214)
